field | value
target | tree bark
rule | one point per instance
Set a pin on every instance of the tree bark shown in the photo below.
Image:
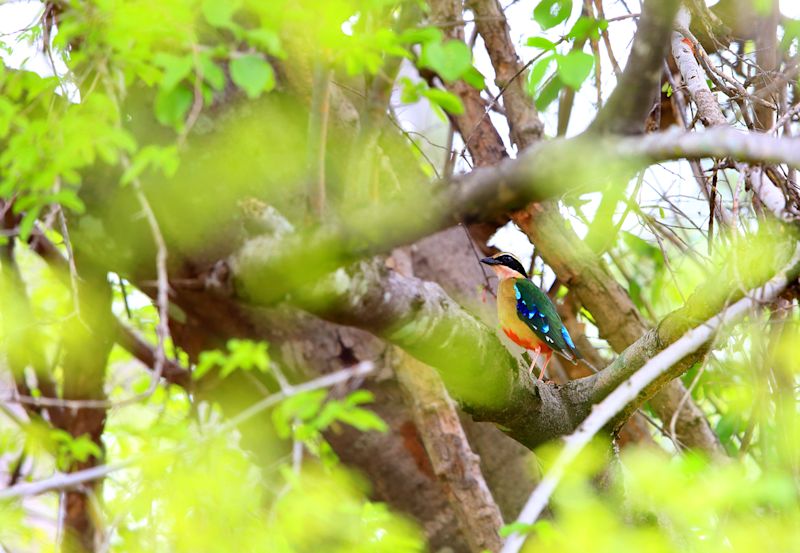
(452, 459)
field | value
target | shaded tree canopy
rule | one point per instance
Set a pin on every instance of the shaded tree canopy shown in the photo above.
(240, 300)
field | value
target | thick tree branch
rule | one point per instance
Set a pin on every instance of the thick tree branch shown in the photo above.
(446, 444)
(617, 318)
(481, 139)
(474, 365)
(452, 459)
(631, 101)
(86, 340)
(547, 170)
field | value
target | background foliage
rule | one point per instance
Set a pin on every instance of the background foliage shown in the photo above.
(187, 127)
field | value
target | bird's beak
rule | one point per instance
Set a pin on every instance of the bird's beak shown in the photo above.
(490, 261)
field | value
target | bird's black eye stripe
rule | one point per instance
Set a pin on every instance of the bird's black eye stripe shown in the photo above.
(512, 263)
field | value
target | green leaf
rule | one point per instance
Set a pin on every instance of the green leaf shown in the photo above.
(791, 32)
(446, 100)
(246, 355)
(363, 420)
(82, 447)
(152, 156)
(574, 68)
(303, 407)
(69, 198)
(219, 13)
(515, 528)
(176, 68)
(549, 93)
(28, 220)
(540, 42)
(207, 361)
(586, 27)
(359, 397)
(212, 73)
(348, 412)
(8, 115)
(252, 74)
(450, 59)
(411, 92)
(267, 41)
(537, 74)
(641, 247)
(420, 36)
(549, 13)
(172, 105)
(474, 78)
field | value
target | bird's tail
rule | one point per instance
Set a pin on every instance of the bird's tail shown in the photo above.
(573, 355)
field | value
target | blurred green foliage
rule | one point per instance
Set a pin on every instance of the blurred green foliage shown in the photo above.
(204, 103)
(652, 503)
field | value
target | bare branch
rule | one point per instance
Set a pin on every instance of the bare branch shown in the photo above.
(162, 296)
(711, 114)
(475, 366)
(526, 127)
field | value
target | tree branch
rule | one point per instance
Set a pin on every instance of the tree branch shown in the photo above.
(125, 336)
(547, 170)
(474, 365)
(448, 449)
(451, 456)
(617, 318)
(76, 479)
(710, 112)
(631, 101)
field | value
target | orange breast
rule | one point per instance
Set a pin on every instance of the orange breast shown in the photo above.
(535, 343)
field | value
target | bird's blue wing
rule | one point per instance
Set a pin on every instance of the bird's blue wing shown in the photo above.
(540, 315)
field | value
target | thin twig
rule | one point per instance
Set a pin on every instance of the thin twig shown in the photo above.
(162, 295)
(318, 133)
(124, 293)
(674, 420)
(197, 104)
(73, 270)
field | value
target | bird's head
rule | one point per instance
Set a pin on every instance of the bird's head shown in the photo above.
(505, 265)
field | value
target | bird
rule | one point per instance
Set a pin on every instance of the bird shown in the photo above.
(526, 314)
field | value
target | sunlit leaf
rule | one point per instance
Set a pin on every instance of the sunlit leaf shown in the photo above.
(540, 42)
(172, 105)
(549, 13)
(446, 100)
(449, 59)
(219, 13)
(252, 74)
(574, 67)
